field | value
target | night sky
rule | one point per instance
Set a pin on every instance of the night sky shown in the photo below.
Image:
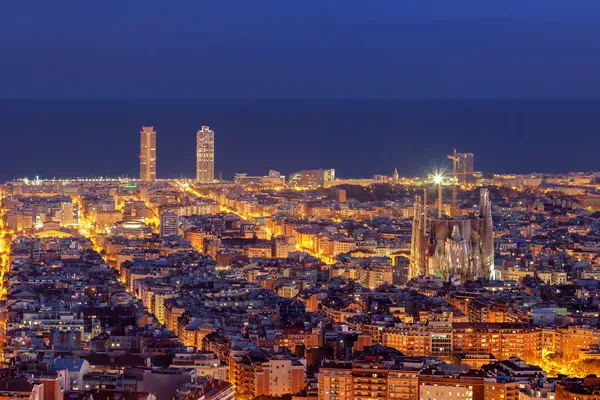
(262, 49)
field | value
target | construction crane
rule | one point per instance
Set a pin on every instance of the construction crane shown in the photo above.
(455, 173)
(454, 158)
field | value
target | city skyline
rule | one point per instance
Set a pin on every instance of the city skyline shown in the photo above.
(326, 200)
(396, 130)
(455, 286)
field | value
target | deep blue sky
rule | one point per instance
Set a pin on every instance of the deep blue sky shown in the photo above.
(300, 49)
(133, 51)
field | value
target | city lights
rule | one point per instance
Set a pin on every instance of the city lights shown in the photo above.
(215, 201)
(171, 249)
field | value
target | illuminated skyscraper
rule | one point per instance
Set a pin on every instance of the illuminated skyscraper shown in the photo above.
(148, 154)
(205, 155)
(465, 168)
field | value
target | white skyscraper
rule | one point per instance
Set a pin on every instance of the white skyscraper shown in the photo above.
(205, 155)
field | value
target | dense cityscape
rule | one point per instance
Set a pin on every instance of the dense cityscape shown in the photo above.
(457, 285)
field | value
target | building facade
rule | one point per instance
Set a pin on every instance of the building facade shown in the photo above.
(502, 340)
(466, 165)
(312, 178)
(169, 224)
(346, 381)
(205, 155)
(148, 154)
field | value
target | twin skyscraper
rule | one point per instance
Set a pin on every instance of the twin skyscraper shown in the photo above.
(205, 154)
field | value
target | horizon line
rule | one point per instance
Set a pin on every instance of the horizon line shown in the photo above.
(217, 98)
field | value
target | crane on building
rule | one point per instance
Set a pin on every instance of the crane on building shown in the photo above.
(455, 173)
(454, 158)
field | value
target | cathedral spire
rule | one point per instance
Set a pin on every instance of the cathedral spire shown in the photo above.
(456, 234)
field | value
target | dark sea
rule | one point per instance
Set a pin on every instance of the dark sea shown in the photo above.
(359, 138)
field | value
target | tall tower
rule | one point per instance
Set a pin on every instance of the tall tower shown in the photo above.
(466, 165)
(417, 242)
(205, 155)
(148, 154)
(487, 233)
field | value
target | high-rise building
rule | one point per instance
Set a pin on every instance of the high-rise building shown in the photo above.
(148, 154)
(169, 224)
(465, 168)
(205, 155)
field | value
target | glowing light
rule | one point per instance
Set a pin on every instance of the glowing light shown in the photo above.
(438, 178)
